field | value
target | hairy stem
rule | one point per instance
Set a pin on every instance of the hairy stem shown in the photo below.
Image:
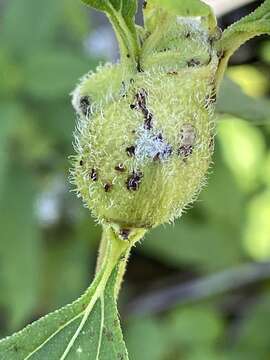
(110, 236)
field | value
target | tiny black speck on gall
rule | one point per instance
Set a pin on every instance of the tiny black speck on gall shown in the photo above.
(134, 180)
(94, 175)
(130, 150)
(84, 104)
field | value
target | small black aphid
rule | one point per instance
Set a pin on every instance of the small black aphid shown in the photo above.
(156, 157)
(141, 97)
(120, 167)
(130, 150)
(94, 175)
(165, 154)
(172, 73)
(124, 233)
(185, 150)
(159, 137)
(84, 104)
(107, 187)
(193, 63)
(81, 162)
(134, 180)
(148, 125)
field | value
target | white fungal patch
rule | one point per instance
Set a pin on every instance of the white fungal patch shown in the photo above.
(151, 145)
(194, 26)
(194, 22)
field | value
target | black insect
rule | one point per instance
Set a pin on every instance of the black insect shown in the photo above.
(148, 123)
(134, 180)
(130, 150)
(144, 4)
(108, 187)
(85, 105)
(172, 73)
(124, 233)
(185, 151)
(164, 154)
(141, 98)
(81, 162)
(159, 137)
(141, 105)
(193, 63)
(94, 175)
(120, 167)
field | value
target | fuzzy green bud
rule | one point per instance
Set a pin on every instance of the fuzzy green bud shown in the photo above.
(144, 139)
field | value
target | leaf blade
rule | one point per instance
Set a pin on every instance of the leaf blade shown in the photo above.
(64, 333)
(121, 13)
(254, 24)
(232, 100)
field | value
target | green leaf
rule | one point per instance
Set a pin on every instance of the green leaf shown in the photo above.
(256, 23)
(60, 70)
(232, 100)
(194, 319)
(20, 246)
(29, 24)
(121, 13)
(252, 340)
(147, 339)
(208, 247)
(88, 329)
(9, 114)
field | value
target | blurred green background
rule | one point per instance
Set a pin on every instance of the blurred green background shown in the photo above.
(48, 241)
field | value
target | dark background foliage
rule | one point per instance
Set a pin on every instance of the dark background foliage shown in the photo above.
(48, 241)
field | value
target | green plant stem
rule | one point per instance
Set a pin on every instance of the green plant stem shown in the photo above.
(109, 237)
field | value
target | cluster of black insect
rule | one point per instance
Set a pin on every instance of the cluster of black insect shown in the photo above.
(193, 62)
(187, 138)
(141, 105)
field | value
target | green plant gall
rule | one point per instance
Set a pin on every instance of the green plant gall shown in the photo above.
(144, 138)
